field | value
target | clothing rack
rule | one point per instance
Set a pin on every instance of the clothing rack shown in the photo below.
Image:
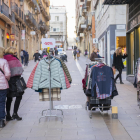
(51, 102)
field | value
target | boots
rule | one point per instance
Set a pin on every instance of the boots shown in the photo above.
(16, 117)
(8, 118)
(2, 123)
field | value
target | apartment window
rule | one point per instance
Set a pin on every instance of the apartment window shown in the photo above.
(54, 29)
(82, 0)
(57, 29)
(57, 18)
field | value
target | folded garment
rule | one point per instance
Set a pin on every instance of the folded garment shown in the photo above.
(55, 95)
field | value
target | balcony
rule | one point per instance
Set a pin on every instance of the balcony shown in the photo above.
(5, 14)
(47, 2)
(32, 3)
(81, 22)
(88, 2)
(29, 17)
(17, 11)
(116, 2)
(43, 27)
(84, 10)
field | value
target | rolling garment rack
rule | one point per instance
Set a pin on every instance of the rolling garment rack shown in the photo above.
(96, 103)
(51, 101)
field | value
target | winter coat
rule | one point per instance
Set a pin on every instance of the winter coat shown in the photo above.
(16, 72)
(93, 56)
(65, 69)
(37, 56)
(117, 61)
(67, 81)
(6, 76)
(41, 78)
(31, 78)
(75, 52)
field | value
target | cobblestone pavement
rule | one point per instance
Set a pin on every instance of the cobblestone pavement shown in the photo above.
(76, 124)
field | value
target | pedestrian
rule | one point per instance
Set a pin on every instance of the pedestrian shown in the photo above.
(75, 48)
(94, 54)
(4, 78)
(78, 54)
(86, 53)
(72, 47)
(118, 63)
(16, 72)
(26, 57)
(74, 53)
(44, 54)
(37, 56)
(56, 52)
(22, 56)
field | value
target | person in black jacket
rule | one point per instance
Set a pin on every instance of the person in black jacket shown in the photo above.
(37, 56)
(118, 63)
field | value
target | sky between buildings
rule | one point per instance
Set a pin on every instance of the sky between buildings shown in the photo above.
(70, 7)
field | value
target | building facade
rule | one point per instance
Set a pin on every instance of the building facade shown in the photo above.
(22, 18)
(58, 25)
(110, 24)
(85, 25)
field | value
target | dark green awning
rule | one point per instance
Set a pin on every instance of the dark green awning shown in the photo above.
(116, 2)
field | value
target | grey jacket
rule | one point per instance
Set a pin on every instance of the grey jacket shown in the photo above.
(41, 78)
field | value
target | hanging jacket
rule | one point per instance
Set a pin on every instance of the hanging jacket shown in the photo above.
(67, 81)
(6, 76)
(42, 78)
(31, 78)
(103, 78)
(65, 69)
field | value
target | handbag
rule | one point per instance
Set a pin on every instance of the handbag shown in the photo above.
(21, 85)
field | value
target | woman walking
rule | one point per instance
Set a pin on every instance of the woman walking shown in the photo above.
(4, 77)
(16, 72)
(118, 63)
(78, 54)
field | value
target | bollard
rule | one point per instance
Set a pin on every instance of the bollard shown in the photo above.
(114, 112)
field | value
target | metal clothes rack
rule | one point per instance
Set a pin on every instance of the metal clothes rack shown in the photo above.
(51, 102)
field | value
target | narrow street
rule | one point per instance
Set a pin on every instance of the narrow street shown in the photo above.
(76, 123)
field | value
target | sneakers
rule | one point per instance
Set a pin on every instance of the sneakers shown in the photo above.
(121, 83)
(2, 123)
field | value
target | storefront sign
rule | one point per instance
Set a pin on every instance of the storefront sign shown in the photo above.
(12, 37)
(32, 33)
(120, 27)
(7, 36)
(48, 42)
(23, 34)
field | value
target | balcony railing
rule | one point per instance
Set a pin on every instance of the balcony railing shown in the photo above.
(13, 17)
(5, 9)
(14, 7)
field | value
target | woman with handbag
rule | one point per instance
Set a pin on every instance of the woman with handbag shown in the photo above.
(118, 63)
(16, 72)
(4, 77)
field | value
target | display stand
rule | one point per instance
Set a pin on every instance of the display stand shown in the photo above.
(51, 102)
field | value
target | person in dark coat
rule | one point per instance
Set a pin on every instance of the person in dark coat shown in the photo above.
(37, 56)
(16, 72)
(56, 52)
(94, 54)
(118, 63)
(44, 53)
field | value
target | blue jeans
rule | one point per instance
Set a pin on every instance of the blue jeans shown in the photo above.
(22, 59)
(3, 94)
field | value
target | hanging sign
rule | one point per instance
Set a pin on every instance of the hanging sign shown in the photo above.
(7, 36)
(95, 40)
(12, 37)
(23, 34)
(48, 42)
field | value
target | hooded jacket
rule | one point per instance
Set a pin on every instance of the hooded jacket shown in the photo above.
(42, 78)
(6, 76)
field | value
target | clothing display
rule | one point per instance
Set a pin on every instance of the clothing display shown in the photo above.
(55, 95)
(40, 80)
(99, 81)
(137, 73)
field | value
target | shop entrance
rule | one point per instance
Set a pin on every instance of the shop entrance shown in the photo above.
(132, 51)
(121, 42)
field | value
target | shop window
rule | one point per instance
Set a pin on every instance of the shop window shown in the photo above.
(56, 18)
(54, 29)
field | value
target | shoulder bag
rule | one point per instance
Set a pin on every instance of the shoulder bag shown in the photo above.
(21, 85)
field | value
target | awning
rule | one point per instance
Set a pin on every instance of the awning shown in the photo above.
(116, 2)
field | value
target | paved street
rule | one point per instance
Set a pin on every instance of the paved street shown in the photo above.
(76, 123)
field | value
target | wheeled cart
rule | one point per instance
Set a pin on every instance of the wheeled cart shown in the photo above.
(102, 104)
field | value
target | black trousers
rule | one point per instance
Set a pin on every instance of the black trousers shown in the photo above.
(16, 105)
(119, 75)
